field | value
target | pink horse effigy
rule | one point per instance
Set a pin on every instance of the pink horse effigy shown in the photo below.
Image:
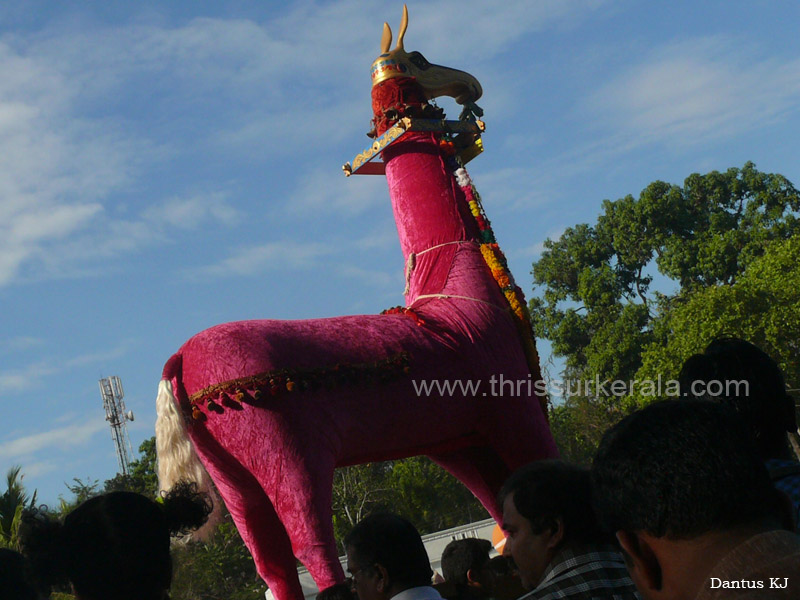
(272, 407)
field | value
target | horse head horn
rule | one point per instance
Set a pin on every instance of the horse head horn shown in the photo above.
(403, 27)
(386, 40)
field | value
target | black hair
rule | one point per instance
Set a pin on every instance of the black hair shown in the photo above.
(679, 469)
(393, 542)
(546, 490)
(762, 400)
(17, 581)
(114, 546)
(460, 556)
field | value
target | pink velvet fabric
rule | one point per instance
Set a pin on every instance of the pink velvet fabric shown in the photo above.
(273, 460)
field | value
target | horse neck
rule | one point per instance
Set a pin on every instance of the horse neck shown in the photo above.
(429, 208)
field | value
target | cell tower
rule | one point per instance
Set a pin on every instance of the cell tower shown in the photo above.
(111, 391)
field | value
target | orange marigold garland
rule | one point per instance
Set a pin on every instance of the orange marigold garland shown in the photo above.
(496, 261)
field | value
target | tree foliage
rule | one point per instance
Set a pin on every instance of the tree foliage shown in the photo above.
(762, 306)
(597, 304)
(81, 491)
(13, 501)
(219, 568)
(578, 424)
(143, 476)
(430, 497)
(415, 487)
(657, 277)
(357, 491)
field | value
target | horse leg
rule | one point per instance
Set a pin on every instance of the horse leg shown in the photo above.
(314, 488)
(289, 452)
(509, 445)
(256, 519)
(481, 469)
(299, 482)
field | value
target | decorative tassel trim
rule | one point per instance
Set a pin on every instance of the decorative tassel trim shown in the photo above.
(255, 389)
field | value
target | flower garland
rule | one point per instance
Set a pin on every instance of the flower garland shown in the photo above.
(496, 261)
(402, 310)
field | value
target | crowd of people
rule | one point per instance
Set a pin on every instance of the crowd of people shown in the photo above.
(115, 546)
(694, 498)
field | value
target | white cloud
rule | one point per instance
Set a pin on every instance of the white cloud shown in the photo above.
(271, 256)
(55, 165)
(383, 238)
(534, 251)
(372, 277)
(39, 468)
(32, 375)
(76, 434)
(96, 357)
(191, 212)
(19, 380)
(696, 90)
(515, 189)
(13, 381)
(323, 192)
(493, 27)
(20, 344)
(79, 125)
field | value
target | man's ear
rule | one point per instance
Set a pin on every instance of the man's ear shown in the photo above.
(383, 578)
(641, 560)
(472, 577)
(557, 533)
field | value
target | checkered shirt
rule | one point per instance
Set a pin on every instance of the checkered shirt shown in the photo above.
(587, 573)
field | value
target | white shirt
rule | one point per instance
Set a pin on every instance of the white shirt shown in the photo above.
(424, 592)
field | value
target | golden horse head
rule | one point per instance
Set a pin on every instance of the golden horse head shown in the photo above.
(435, 80)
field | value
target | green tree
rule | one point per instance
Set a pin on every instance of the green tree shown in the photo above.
(143, 475)
(220, 568)
(579, 423)
(414, 487)
(597, 305)
(13, 501)
(357, 491)
(762, 306)
(704, 243)
(81, 491)
(430, 497)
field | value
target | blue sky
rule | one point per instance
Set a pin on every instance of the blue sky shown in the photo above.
(170, 166)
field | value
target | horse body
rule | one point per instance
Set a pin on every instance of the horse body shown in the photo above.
(273, 407)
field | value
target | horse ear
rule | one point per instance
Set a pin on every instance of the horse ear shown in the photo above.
(403, 27)
(386, 40)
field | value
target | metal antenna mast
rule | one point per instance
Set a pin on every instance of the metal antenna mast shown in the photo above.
(111, 391)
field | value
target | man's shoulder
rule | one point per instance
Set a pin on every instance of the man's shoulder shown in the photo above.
(425, 592)
(766, 565)
(586, 573)
(761, 552)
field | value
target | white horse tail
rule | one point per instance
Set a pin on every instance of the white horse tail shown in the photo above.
(177, 460)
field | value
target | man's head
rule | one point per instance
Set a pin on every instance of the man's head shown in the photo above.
(17, 579)
(466, 562)
(546, 507)
(385, 556)
(735, 372)
(675, 471)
